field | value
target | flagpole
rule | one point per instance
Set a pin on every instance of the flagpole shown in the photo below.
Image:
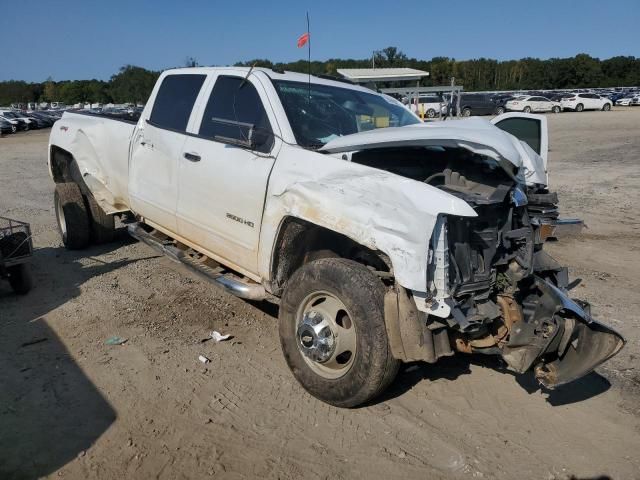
(309, 55)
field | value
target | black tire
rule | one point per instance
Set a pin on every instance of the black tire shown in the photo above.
(14, 128)
(579, 107)
(431, 113)
(102, 226)
(527, 109)
(72, 216)
(500, 110)
(362, 293)
(555, 109)
(606, 107)
(20, 278)
(466, 112)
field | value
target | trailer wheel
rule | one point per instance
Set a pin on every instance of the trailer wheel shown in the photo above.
(102, 226)
(72, 216)
(333, 334)
(20, 278)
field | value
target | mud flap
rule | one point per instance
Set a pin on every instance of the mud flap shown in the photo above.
(585, 344)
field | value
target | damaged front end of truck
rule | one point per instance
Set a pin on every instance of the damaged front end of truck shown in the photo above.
(491, 288)
(506, 296)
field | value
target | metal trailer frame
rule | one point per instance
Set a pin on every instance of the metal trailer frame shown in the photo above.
(9, 227)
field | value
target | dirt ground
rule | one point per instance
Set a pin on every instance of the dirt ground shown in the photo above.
(73, 407)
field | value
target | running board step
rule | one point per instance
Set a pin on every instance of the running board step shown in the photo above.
(229, 282)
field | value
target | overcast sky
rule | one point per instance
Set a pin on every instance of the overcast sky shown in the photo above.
(83, 39)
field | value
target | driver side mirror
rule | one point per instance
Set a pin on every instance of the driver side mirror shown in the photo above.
(248, 136)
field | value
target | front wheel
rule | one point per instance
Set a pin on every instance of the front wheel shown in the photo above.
(555, 109)
(606, 107)
(333, 334)
(526, 109)
(499, 110)
(431, 113)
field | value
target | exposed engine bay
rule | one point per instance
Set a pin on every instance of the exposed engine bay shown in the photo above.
(505, 294)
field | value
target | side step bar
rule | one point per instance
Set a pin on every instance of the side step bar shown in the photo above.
(229, 282)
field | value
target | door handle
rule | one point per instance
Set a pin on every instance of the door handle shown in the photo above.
(192, 157)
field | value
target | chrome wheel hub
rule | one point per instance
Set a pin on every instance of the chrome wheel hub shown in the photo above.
(315, 338)
(325, 335)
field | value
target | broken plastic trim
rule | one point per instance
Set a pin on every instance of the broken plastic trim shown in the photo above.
(586, 344)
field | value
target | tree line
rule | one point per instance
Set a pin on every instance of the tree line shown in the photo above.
(130, 85)
(133, 84)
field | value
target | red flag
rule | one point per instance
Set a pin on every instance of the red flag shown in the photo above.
(304, 38)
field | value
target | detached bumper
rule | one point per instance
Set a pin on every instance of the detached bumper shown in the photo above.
(582, 344)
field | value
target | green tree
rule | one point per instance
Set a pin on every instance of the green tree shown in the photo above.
(50, 93)
(132, 84)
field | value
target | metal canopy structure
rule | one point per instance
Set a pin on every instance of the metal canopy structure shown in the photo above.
(450, 93)
(372, 75)
(410, 91)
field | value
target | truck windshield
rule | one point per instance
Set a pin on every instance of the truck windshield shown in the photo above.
(320, 113)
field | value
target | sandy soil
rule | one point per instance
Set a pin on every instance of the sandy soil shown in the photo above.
(73, 407)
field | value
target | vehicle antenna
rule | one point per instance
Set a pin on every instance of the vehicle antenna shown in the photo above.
(244, 80)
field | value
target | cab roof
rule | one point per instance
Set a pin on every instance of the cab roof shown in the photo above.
(273, 75)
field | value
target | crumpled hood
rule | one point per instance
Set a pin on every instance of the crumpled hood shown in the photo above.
(475, 134)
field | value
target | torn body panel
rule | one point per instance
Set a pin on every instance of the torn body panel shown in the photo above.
(380, 210)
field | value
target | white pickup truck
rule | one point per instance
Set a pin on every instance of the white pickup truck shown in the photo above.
(381, 238)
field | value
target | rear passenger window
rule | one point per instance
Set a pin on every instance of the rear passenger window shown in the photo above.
(236, 100)
(174, 101)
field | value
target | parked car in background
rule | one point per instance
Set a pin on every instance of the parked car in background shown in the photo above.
(429, 106)
(528, 104)
(46, 120)
(6, 127)
(628, 101)
(37, 121)
(475, 104)
(12, 115)
(500, 102)
(555, 97)
(585, 101)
